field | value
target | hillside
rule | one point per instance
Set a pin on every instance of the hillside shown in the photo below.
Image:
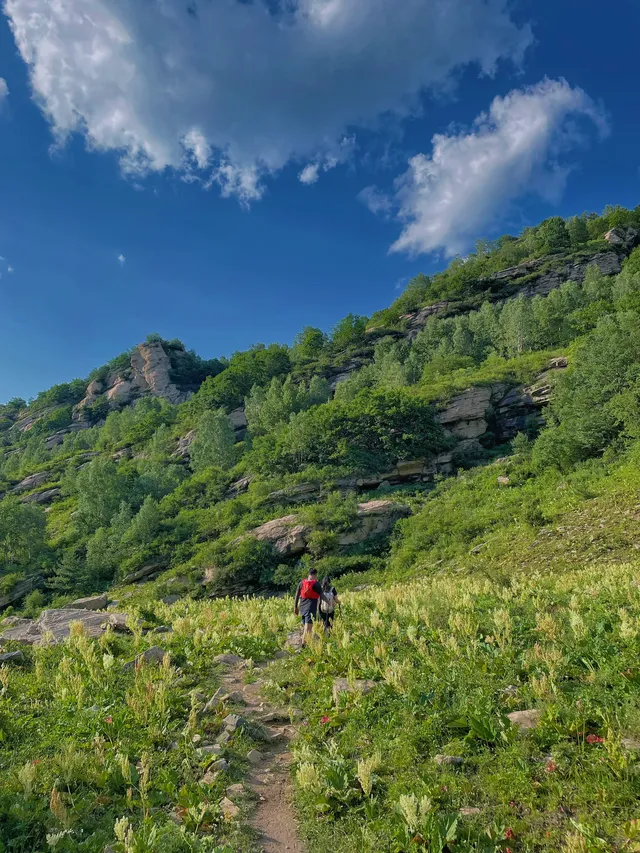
(465, 462)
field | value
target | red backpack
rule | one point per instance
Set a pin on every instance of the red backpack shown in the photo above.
(307, 590)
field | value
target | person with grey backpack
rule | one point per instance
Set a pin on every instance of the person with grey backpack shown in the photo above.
(329, 603)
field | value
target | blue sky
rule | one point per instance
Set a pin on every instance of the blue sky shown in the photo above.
(178, 145)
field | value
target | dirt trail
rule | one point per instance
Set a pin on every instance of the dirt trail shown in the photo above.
(273, 818)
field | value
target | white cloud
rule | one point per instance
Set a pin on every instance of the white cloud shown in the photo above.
(310, 174)
(9, 268)
(240, 89)
(122, 260)
(450, 197)
(4, 89)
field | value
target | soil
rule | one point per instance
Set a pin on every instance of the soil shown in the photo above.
(273, 819)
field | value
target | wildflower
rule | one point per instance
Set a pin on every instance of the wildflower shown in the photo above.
(324, 720)
(508, 850)
(595, 739)
(509, 834)
(108, 719)
(551, 766)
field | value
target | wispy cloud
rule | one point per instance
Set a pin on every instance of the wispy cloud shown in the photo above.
(238, 90)
(122, 260)
(4, 90)
(10, 269)
(449, 197)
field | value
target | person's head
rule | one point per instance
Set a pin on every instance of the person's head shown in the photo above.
(326, 582)
(313, 574)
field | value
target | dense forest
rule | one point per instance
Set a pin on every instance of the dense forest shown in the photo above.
(465, 460)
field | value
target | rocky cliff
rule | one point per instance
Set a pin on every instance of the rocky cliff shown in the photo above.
(148, 374)
(535, 278)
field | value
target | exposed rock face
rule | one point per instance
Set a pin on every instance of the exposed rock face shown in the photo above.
(522, 405)
(32, 482)
(373, 519)
(148, 375)
(145, 573)
(45, 497)
(21, 589)
(286, 534)
(27, 422)
(465, 415)
(290, 537)
(58, 437)
(94, 602)
(623, 238)
(54, 626)
(507, 283)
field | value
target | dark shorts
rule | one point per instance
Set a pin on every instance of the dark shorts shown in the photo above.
(327, 618)
(308, 610)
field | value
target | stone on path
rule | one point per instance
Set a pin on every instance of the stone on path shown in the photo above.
(236, 790)
(229, 810)
(254, 757)
(343, 685)
(233, 722)
(631, 743)
(229, 660)
(210, 749)
(525, 720)
(469, 811)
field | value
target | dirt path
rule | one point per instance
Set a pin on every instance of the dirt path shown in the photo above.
(273, 818)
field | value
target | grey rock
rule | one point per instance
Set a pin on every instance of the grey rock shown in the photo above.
(19, 590)
(234, 722)
(236, 790)
(223, 738)
(448, 760)
(525, 720)
(171, 599)
(55, 625)
(469, 811)
(229, 660)
(631, 743)
(41, 498)
(144, 573)
(360, 685)
(94, 602)
(212, 704)
(12, 657)
(32, 481)
(215, 749)
(163, 629)
(155, 654)
(254, 757)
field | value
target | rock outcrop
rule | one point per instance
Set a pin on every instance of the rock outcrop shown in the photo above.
(32, 482)
(22, 588)
(54, 626)
(290, 537)
(46, 496)
(148, 374)
(542, 276)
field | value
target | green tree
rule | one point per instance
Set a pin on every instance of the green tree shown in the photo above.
(552, 236)
(22, 534)
(349, 332)
(99, 490)
(214, 443)
(578, 231)
(145, 524)
(309, 344)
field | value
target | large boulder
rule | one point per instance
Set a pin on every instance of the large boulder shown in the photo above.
(373, 518)
(623, 238)
(54, 626)
(145, 573)
(465, 416)
(94, 602)
(287, 535)
(32, 482)
(47, 496)
(290, 537)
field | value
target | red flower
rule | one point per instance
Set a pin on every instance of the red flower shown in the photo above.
(595, 739)
(324, 720)
(509, 834)
(507, 850)
(108, 719)
(551, 766)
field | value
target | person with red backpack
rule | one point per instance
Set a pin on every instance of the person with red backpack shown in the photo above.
(308, 595)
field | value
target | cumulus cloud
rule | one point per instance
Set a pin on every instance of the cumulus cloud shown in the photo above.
(238, 89)
(4, 89)
(310, 174)
(122, 260)
(448, 198)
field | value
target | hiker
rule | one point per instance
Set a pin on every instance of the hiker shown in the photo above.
(308, 594)
(328, 603)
